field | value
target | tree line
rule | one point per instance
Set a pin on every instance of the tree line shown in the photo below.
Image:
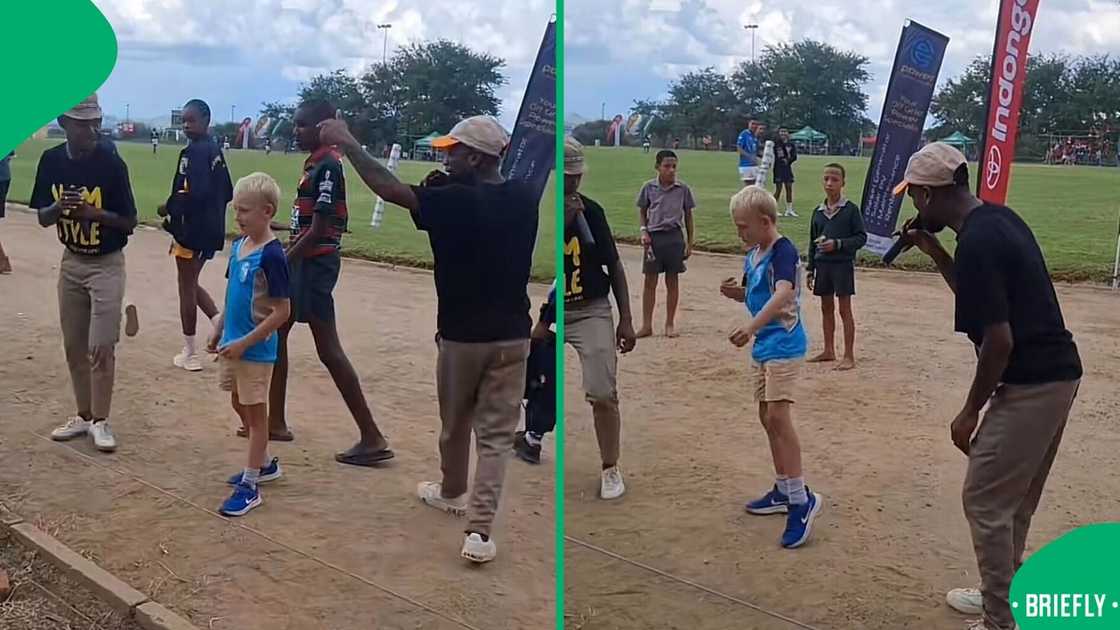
(810, 83)
(423, 87)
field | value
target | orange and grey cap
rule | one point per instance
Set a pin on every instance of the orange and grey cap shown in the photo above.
(573, 156)
(481, 133)
(933, 165)
(88, 109)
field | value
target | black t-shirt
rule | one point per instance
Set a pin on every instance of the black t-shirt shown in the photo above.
(586, 264)
(482, 239)
(102, 179)
(1002, 277)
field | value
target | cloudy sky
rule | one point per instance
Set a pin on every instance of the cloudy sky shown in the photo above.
(620, 50)
(250, 51)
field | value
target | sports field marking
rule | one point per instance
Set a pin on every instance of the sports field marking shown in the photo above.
(688, 582)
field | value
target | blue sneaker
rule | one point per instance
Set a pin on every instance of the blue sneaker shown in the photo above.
(270, 472)
(799, 523)
(774, 502)
(241, 501)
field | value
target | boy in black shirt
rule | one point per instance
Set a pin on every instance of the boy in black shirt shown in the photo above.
(785, 154)
(82, 188)
(836, 233)
(1028, 367)
(482, 230)
(592, 270)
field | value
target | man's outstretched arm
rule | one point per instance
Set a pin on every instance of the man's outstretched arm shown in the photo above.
(379, 179)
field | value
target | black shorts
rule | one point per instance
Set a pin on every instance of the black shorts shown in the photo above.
(666, 253)
(312, 283)
(4, 195)
(834, 279)
(782, 176)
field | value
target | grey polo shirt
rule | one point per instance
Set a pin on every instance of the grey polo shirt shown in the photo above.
(665, 207)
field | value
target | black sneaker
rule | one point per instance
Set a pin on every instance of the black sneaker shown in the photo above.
(525, 450)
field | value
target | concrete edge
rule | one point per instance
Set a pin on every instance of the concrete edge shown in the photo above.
(109, 588)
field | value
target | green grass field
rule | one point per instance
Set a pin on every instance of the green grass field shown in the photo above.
(1072, 210)
(396, 241)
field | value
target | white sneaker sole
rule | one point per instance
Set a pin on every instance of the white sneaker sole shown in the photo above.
(444, 506)
(773, 509)
(67, 437)
(478, 556)
(105, 448)
(611, 496)
(197, 367)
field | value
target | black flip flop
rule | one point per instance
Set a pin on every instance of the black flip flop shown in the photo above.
(365, 459)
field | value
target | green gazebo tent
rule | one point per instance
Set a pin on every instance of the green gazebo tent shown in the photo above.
(422, 148)
(813, 140)
(959, 140)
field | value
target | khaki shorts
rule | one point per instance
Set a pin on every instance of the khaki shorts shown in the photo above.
(776, 381)
(250, 378)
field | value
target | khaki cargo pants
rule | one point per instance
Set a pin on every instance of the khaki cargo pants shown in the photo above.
(1008, 463)
(480, 388)
(90, 296)
(589, 328)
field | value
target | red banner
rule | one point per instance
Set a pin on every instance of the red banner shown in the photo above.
(1009, 71)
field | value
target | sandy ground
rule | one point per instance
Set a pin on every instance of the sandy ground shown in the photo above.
(176, 432)
(891, 539)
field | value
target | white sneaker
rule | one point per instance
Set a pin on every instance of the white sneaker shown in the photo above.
(430, 493)
(477, 550)
(611, 486)
(103, 436)
(73, 428)
(793, 213)
(979, 624)
(966, 600)
(189, 362)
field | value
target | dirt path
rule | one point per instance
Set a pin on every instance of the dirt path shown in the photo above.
(892, 537)
(329, 531)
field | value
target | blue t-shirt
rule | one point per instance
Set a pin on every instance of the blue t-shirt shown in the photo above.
(784, 337)
(748, 143)
(253, 278)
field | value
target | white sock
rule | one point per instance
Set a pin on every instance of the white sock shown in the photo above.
(782, 482)
(250, 476)
(797, 494)
(189, 344)
(789, 207)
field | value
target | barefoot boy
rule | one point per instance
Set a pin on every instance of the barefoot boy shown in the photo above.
(771, 289)
(256, 307)
(836, 233)
(319, 219)
(665, 206)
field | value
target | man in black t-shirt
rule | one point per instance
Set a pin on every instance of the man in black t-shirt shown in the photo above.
(1027, 373)
(482, 229)
(592, 270)
(82, 188)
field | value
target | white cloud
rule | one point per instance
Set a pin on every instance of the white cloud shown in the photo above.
(297, 39)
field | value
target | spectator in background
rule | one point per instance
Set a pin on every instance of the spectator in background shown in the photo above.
(5, 181)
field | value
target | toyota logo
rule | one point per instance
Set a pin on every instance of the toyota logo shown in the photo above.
(994, 167)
